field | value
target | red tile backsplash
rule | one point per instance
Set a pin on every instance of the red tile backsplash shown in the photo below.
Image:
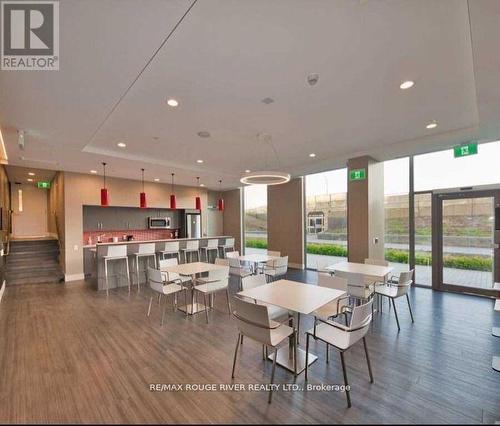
(139, 235)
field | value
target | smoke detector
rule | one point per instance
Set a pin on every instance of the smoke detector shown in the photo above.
(312, 79)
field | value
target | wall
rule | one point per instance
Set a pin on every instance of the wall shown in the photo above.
(32, 220)
(56, 219)
(4, 203)
(376, 208)
(232, 218)
(82, 189)
(285, 221)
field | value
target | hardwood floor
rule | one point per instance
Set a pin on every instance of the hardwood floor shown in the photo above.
(69, 354)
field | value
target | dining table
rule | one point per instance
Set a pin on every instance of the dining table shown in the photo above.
(298, 298)
(255, 259)
(192, 270)
(372, 273)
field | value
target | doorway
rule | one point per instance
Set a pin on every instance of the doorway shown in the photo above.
(29, 211)
(463, 234)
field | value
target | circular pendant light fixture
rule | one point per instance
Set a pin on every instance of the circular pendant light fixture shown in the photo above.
(173, 201)
(142, 196)
(265, 177)
(104, 190)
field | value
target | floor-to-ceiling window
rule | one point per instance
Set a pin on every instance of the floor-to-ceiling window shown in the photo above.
(326, 218)
(397, 220)
(255, 203)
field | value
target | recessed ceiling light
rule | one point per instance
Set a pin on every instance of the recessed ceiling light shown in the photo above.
(431, 125)
(172, 102)
(30, 180)
(121, 144)
(31, 174)
(247, 171)
(202, 184)
(157, 180)
(93, 172)
(406, 84)
(199, 161)
(312, 155)
(203, 134)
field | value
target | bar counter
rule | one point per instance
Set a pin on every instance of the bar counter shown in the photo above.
(117, 273)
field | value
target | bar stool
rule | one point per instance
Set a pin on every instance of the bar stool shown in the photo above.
(170, 248)
(211, 245)
(145, 251)
(115, 253)
(192, 246)
(228, 245)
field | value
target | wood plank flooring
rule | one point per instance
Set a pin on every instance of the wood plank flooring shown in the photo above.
(69, 354)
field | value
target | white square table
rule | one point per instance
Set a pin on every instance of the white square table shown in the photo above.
(191, 270)
(377, 272)
(256, 258)
(299, 298)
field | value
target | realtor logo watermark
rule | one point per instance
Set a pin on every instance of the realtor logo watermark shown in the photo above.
(30, 35)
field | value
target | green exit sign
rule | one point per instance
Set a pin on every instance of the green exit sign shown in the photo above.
(357, 174)
(43, 185)
(465, 150)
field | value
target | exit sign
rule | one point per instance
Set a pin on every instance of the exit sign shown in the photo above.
(465, 150)
(43, 185)
(357, 174)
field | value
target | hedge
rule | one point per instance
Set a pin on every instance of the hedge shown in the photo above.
(475, 263)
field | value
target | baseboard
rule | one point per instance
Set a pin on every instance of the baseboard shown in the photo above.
(73, 277)
(297, 265)
(2, 290)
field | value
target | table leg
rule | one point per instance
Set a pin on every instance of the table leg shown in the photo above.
(192, 308)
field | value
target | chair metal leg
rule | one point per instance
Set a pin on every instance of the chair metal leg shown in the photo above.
(128, 274)
(327, 353)
(307, 355)
(368, 360)
(185, 302)
(314, 331)
(106, 276)
(395, 313)
(236, 353)
(241, 339)
(272, 375)
(150, 303)
(409, 307)
(228, 301)
(344, 372)
(206, 307)
(137, 272)
(295, 342)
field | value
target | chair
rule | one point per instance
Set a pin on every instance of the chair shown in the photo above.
(343, 338)
(378, 262)
(335, 307)
(237, 269)
(397, 288)
(227, 245)
(146, 251)
(220, 261)
(261, 266)
(276, 268)
(253, 281)
(158, 285)
(115, 253)
(356, 286)
(253, 322)
(172, 276)
(192, 246)
(216, 281)
(274, 253)
(321, 265)
(234, 254)
(211, 245)
(171, 247)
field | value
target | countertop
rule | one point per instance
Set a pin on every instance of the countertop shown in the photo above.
(154, 241)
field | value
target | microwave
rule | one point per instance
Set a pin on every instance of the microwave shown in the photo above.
(159, 222)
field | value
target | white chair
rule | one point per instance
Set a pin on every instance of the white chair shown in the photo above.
(146, 251)
(344, 337)
(253, 322)
(227, 245)
(211, 246)
(238, 270)
(216, 281)
(276, 268)
(261, 266)
(252, 281)
(220, 261)
(172, 276)
(356, 286)
(192, 246)
(115, 253)
(158, 285)
(321, 265)
(395, 289)
(274, 253)
(171, 247)
(335, 307)
(233, 254)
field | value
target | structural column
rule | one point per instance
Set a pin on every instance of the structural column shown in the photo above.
(233, 217)
(365, 209)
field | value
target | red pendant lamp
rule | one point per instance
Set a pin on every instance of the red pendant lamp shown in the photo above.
(198, 199)
(104, 190)
(142, 196)
(220, 204)
(173, 201)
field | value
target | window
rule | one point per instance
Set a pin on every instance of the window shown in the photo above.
(255, 202)
(326, 213)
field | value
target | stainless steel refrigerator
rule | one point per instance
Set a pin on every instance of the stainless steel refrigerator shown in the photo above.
(193, 225)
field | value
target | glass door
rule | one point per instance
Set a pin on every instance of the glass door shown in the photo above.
(463, 238)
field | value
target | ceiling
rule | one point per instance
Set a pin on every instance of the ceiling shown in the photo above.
(121, 59)
(21, 175)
